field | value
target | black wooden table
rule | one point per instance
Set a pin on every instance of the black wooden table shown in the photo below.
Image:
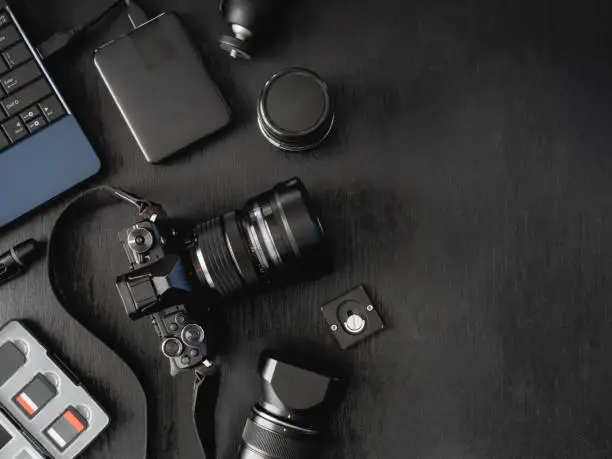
(468, 184)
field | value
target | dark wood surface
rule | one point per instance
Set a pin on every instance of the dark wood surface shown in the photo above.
(468, 184)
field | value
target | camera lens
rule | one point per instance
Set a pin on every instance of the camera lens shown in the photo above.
(287, 421)
(275, 239)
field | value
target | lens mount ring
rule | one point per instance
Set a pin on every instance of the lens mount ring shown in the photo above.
(204, 269)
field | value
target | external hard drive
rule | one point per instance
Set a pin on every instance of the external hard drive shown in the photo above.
(158, 80)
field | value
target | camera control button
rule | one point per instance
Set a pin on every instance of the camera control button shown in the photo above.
(185, 360)
(192, 335)
(194, 353)
(173, 327)
(140, 240)
(180, 319)
(172, 347)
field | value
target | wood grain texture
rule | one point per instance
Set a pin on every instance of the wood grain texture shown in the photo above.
(468, 184)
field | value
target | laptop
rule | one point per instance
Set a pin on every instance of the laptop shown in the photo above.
(43, 150)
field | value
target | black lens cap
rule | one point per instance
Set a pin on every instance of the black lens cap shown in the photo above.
(294, 110)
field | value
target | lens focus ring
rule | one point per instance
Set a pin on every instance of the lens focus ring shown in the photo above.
(218, 258)
(274, 445)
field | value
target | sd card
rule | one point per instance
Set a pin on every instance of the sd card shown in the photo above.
(66, 428)
(35, 395)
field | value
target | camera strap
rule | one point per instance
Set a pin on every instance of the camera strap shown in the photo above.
(206, 381)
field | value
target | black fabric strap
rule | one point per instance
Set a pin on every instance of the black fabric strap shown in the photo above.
(205, 395)
(206, 380)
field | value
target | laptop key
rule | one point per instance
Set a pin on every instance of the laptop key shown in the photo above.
(8, 37)
(29, 114)
(18, 78)
(16, 55)
(15, 129)
(52, 108)
(36, 124)
(3, 67)
(26, 97)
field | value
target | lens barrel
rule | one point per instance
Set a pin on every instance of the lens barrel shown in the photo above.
(275, 239)
(295, 404)
(263, 438)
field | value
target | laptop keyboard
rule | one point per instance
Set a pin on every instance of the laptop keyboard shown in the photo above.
(27, 100)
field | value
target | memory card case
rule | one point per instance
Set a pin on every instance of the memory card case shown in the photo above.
(45, 412)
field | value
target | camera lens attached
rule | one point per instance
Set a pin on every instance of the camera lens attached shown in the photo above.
(276, 238)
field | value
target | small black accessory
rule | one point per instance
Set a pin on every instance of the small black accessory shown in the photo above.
(296, 402)
(245, 17)
(352, 317)
(294, 110)
(15, 262)
(274, 240)
(158, 80)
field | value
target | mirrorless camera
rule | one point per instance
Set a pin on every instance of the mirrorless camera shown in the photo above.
(276, 239)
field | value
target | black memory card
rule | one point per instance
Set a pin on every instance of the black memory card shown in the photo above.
(5, 437)
(11, 360)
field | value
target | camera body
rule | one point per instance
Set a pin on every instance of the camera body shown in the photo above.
(275, 239)
(158, 284)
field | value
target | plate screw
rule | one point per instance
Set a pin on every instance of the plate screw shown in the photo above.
(355, 324)
(334, 328)
(370, 308)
